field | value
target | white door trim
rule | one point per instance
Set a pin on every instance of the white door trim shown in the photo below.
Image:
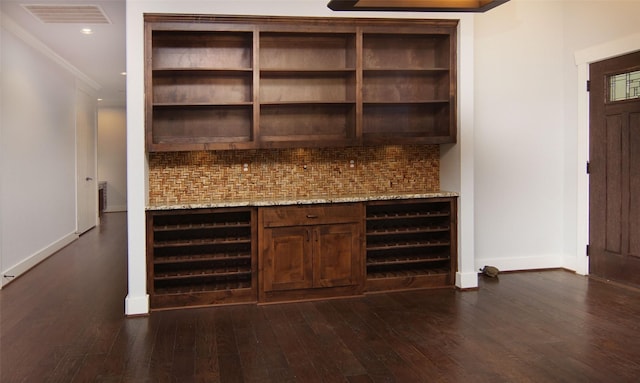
(583, 58)
(86, 160)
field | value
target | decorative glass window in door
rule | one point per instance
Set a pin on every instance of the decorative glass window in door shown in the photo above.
(624, 86)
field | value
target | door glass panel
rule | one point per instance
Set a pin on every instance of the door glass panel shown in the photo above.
(624, 86)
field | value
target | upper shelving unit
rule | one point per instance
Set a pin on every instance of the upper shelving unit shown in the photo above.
(218, 82)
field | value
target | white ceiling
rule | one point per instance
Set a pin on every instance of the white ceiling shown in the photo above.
(100, 56)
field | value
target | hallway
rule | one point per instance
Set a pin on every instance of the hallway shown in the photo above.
(63, 322)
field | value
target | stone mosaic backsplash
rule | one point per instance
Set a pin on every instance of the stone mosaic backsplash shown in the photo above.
(204, 177)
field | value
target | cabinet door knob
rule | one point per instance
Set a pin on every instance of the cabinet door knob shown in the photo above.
(88, 179)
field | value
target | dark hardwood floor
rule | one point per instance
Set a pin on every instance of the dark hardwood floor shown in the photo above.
(63, 322)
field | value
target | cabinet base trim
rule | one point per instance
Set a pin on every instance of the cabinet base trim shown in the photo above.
(201, 299)
(310, 294)
(407, 282)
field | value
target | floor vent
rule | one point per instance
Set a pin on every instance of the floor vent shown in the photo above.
(63, 14)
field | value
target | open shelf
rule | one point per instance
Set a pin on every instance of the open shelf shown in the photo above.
(202, 87)
(406, 51)
(294, 51)
(201, 49)
(307, 121)
(317, 87)
(187, 124)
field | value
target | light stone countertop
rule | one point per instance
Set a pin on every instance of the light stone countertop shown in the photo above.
(302, 200)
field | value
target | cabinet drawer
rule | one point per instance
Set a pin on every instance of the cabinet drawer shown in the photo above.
(311, 214)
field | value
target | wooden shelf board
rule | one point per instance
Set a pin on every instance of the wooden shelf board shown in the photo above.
(293, 72)
(406, 230)
(225, 225)
(202, 289)
(395, 70)
(178, 140)
(411, 102)
(307, 102)
(393, 216)
(406, 245)
(201, 242)
(202, 258)
(204, 69)
(205, 273)
(404, 261)
(200, 104)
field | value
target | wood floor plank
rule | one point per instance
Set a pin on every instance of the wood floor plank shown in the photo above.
(228, 355)
(206, 368)
(298, 358)
(63, 322)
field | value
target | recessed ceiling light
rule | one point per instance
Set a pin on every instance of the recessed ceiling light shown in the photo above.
(99, 99)
(86, 31)
(123, 73)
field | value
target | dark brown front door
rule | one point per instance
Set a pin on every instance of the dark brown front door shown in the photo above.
(614, 182)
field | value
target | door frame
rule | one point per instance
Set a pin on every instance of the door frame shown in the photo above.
(92, 157)
(583, 58)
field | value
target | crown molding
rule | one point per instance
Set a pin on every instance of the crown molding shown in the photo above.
(13, 27)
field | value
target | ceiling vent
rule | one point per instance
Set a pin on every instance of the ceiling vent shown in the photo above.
(64, 14)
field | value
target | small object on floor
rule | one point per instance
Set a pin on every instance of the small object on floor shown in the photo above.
(490, 271)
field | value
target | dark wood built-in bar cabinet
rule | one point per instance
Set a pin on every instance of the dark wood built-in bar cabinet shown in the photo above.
(236, 83)
(212, 256)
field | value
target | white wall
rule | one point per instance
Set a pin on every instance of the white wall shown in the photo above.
(37, 155)
(112, 155)
(527, 174)
(137, 299)
(519, 138)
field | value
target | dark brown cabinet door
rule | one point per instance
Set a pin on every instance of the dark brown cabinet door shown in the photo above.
(614, 184)
(287, 259)
(334, 263)
(305, 257)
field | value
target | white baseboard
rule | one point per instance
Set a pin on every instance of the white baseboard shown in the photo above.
(136, 305)
(579, 264)
(466, 280)
(31, 261)
(522, 263)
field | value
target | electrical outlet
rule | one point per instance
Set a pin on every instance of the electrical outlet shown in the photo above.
(352, 164)
(245, 167)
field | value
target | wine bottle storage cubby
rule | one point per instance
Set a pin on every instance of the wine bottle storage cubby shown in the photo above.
(410, 244)
(201, 257)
